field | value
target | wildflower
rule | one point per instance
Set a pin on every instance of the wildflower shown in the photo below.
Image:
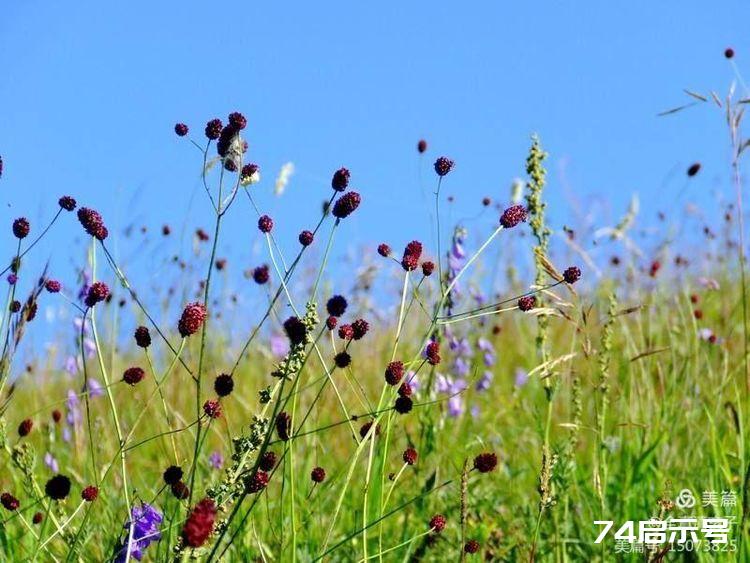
(336, 305)
(693, 169)
(142, 337)
(728, 54)
(486, 201)
(485, 462)
(403, 405)
(67, 203)
(181, 129)
(421, 146)
(21, 227)
(25, 427)
(267, 461)
(249, 174)
(394, 372)
(237, 120)
(56, 416)
(93, 388)
(216, 460)
(654, 268)
(427, 268)
(527, 303)
(258, 482)
(202, 235)
(384, 250)
(37, 518)
(471, 546)
(15, 306)
(212, 408)
(331, 322)
(265, 224)
(698, 314)
(346, 332)
(200, 523)
(140, 531)
(405, 390)
(443, 165)
(90, 493)
(172, 474)
(365, 428)
(412, 254)
(340, 180)
(58, 487)
(437, 523)
(359, 329)
(51, 462)
(346, 205)
(432, 353)
(213, 129)
(53, 286)
(572, 274)
(261, 274)
(295, 330)
(318, 475)
(342, 360)
(180, 490)
(283, 426)
(223, 385)
(12, 279)
(97, 292)
(306, 238)
(192, 319)
(512, 216)
(9, 502)
(410, 456)
(92, 223)
(133, 375)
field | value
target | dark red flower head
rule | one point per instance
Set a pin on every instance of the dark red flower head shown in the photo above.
(98, 292)
(432, 353)
(346, 205)
(421, 146)
(403, 405)
(37, 518)
(200, 523)
(90, 493)
(384, 250)
(410, 456)
(365, 428)
(67, 203)
(471, 546)
(342, 360)
(405, 389)
(265, 224)
(693, 169)
(25, 427)
(394, 372)
(331, 322)
(340, 180)
(258, 482)
(295, 330)
(512, 216)
(237, 120)
(306, 238)
(443, 165)
(318, 475)
(133, 375)
(181, 129)
(728, 53)
(224, 385)
(180, 490)
(485, 462)
(9, 502)
(212, 408)
(437, 523)
(21, 227)
(267, 461)
(213, 129)
(527, 303)
(172, 474)
(53, 286)
(58, 487)
(56, 415)
(412, 254)
(283, 426)
(192, 319)
(572, 274)
(14, 306)
(346, 332)
(261, 274)
(92, 223)
(359, 329)
(142, 337)
(427, 268)
(248, 170)
(336, 305)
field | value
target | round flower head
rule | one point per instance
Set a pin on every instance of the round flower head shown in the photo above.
(527, 303)
(237, 120)
(342, 360)
(67, 203)
(728, 54)
(213, 129)
(365, 428)
(133, 375)
(340, 180)
(283, 426)
(471, 546)
(180, 490)
(486, 201)
(224, 385)
(403, 405)
(318, 475)
(97, 293)
(346, 205)
(192, 319)
(443, 165)
(181, 129)
(21, 227)
(90, 493)
(142, 337)
(394, 372)
(53, 286)
(410, 456)
(412, 254)
(295, 330)
(693, 169)
(512, 216)
(24, 429)
(258, 482)
(267, 461)
(306, 238)
(432, 353)
(346, 332)
(12, 279)
(384, 250)
(200, 523)
(405, 389)
(359, 329)
(58, 487)
(92, 223)
(212, 408)
(421, 146)
(572, 274)
(172, 474)
(265, 224)
(331, 322)
(9, 502)
(437, 523)
(427, 268)
(261, 274)
(336, 305)
(56, 415)
(486, 462)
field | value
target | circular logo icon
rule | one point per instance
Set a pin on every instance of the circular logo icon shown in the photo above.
(685, 499)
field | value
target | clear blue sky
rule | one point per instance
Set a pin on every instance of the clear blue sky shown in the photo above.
(90, 91)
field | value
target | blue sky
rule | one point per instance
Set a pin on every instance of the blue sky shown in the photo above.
(90, 92)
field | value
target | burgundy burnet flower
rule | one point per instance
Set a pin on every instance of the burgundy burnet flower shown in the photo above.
(237, 120)
(25, 427)
(267, 461)
(437, 523)
(92, 223)
(37, 518)
(342, 360)
(192, 319)
(346, 205)
(283, 426)
(443, 165)
(410, 456)
(394, 372)
(67, 203)
(527, 303)
(485, 462)
(359, 329)
(181, 129)
(53, 286)
(346, 332)
(405, 389)
(133, 375)
(421, 146)
(9, 502)
(90, 493)
(172, 474)
(306, 238)
(180, 490)
(427, 268)
(258, 482)
(58, 487)
(142, 337)
(200, 523)
(56, 415)
(384, 250)
(432, 353)
(693, 169)
(572, 274)
(471, 546)
(336, 305)
(295, 330)
(728, 54)
(14, 306)
(265, 224)
(212, 407)
(365, 428)
(331, 322)
(340, 180)
(412, 254)
(21, 227)
(226, 138)
(512, 216)
(224, 385)
(213, 129)
(318, 475)
(12, 279)
(248, 170)
(98, 292)
(261, 274)
(403, 405)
